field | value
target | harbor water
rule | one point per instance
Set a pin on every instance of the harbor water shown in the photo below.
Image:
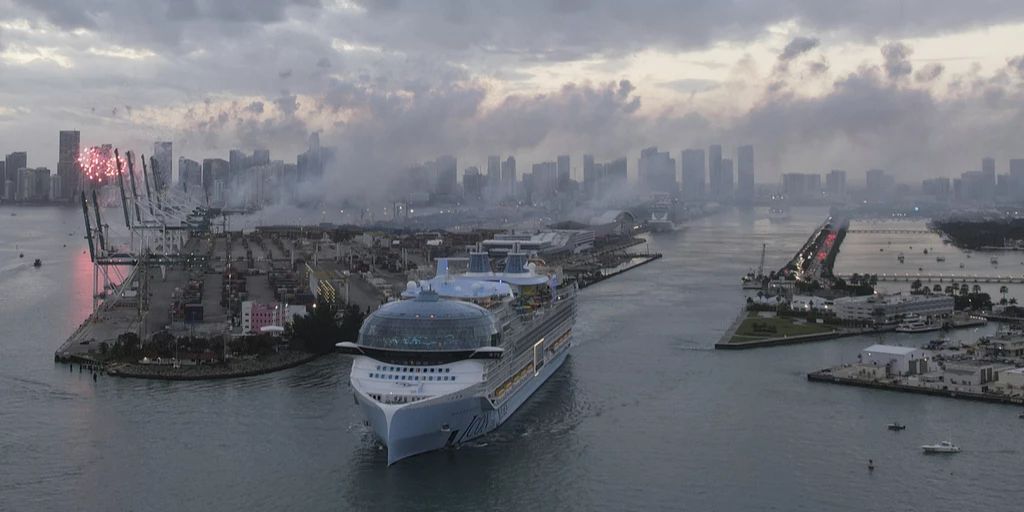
(644, 415)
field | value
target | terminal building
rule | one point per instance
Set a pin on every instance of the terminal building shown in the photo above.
(541, 243)
(896, 360)
(887, 309)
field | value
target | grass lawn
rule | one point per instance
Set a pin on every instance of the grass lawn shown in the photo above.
(754, 328)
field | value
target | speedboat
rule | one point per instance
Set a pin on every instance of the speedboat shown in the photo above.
(915, 323)
(896, 426)
(942, 447)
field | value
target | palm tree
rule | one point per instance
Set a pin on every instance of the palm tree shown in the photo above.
(937, 288)
(964, 289)
(916, 285)
(950, 289)
(976, 288)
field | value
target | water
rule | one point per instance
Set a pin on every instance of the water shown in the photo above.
(643, 416)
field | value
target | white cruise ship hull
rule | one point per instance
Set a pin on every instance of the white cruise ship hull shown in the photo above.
(446, 420)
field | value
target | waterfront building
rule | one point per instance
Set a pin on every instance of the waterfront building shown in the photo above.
(888, 309)
(547, 242)
(744, 175)
(896, 360)
(694, 170)
(14, 163)
(163, 165)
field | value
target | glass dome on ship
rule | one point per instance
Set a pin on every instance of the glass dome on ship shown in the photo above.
(428, 323)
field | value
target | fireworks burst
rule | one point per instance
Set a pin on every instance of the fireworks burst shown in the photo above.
(98, 164)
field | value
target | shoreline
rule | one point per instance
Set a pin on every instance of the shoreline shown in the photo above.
(235, 369)
(826, 376)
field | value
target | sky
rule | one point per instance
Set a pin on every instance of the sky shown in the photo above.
(917, 87)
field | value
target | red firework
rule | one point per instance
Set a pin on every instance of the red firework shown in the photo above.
(98, 164)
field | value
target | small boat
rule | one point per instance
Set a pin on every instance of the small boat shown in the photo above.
(961, 265)
(896, 426)
(942, 447)
(1021, 416)
(37, 263)
(900, 257)
(926, 251)
(940, 259)
(994, 260)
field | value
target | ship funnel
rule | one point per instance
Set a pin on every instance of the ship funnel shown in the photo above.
(515, 262)
(478, 261)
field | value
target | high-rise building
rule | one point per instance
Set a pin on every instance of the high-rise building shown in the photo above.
(715, 170)
(835, 183)
(657, 171)
(745, 174)
(445, 177)
(988, 184)
(590, 177)
(508, 177)
(214, 170)
(878, 184)
(493, 176)
(1017, 178)
(190, 174)
(564, 174)
(727, 178)
(262, 156)
(69, 172)
(800, 186)
(472, 184)
(694, 169)
(3, 179)
(543, 181)
(163, 165)
(938, 188)
(15, 162)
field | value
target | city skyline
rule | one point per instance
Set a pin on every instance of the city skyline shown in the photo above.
(855, 87)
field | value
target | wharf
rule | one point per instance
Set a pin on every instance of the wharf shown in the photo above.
(597, 274)
(232, 369)
(827, 376)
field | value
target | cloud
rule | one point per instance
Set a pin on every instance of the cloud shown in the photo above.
(798, 46)
(929, 72)
(897, 59)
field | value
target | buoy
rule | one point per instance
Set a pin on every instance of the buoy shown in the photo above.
(871, 465)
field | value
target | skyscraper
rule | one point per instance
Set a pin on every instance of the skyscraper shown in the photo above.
(15, 162)
(508, 177)
(745, 174)
(727, 179)
(493, 176)
(715, 170)
(657, 171)
(163, 171)
(68, 170)
(190, 174)
(564, 174)
(694, 170)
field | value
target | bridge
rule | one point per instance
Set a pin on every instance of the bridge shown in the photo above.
(945, 278)
(881, 231)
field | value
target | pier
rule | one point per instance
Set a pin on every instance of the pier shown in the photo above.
(828, 376)
(881, 231)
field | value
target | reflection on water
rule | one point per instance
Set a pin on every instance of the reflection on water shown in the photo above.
(644, 415)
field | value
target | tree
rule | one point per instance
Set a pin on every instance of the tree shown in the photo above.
(964, 289)
(950, 290)
(976, 288)
(937, 288)
(318, 330)
(915, 286)
(1004, 290)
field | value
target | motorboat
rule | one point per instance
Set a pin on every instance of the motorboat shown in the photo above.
(896, 426)
(942, 447)
(915, 323)
(940, 259)
(994, 260)
(900, 257)
(37, 263)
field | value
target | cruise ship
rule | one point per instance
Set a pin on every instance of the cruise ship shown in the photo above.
(459, 354)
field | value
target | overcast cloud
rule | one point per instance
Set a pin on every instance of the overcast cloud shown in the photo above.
(393, 82)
